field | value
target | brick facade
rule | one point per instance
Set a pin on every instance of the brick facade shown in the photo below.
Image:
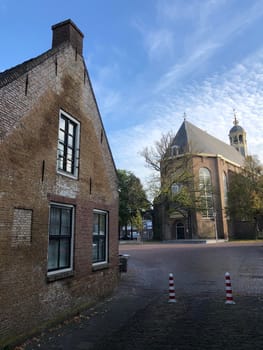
(31, 98)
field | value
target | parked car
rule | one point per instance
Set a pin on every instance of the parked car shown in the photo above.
(135, 236)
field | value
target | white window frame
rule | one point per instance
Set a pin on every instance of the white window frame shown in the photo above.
(76, 145)
(106, 213)
(70, 268)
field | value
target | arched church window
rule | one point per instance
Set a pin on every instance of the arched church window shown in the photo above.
(235, 139)
(225, 188)
(174, 150)
(240, 138)
(175, 188)
(206, 194)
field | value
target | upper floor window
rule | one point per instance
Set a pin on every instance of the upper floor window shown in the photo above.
(175, 150)
(206, 195)
(68, 145)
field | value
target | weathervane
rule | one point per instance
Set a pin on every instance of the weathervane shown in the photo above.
(184, 116)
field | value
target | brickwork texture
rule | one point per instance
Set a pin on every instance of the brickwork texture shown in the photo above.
(30, 103)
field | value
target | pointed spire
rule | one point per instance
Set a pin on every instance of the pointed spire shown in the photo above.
(235, 122)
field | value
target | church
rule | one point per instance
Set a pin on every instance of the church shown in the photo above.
(210, 162)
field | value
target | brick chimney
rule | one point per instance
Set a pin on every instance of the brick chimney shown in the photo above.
(67, 31)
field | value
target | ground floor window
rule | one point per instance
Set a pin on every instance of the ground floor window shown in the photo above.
(60, 244)
(100, 237)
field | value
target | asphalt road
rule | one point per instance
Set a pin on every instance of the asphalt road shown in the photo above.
(139, 316)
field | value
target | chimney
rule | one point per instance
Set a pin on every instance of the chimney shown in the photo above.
(67, 31)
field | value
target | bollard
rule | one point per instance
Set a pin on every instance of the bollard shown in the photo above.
(171, 289)
(229, 296)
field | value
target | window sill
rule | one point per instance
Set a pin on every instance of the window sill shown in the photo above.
(67, 174)
(59, 276)
(101, 266)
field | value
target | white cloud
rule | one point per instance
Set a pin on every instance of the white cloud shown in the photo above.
(157, 42)
(201, 44)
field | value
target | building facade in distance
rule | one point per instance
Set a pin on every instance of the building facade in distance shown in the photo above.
(209, 163)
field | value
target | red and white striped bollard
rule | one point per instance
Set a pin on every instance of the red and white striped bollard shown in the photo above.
(171, 289)
(229, 296)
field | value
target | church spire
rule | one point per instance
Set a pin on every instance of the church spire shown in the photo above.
(237, 136)
(235, 122)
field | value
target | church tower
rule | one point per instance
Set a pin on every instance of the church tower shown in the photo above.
(237, 136)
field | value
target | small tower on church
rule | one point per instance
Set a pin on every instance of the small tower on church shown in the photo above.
(237, 137)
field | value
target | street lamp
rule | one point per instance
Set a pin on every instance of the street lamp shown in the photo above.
(214, 214)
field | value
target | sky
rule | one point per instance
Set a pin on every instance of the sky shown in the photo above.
(151, 61)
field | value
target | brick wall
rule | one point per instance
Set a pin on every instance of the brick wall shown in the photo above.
(29, 181)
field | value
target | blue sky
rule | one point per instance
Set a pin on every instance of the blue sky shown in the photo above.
(152, 60)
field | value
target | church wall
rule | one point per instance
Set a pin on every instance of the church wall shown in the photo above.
(217, 167)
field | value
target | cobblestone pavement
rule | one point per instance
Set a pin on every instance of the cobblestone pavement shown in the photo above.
(199, 323)
(203, 323)
(138, 315)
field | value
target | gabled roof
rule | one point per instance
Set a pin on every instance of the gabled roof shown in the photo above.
(12, 74)
(191, 139)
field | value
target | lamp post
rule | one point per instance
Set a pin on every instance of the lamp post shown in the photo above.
(215, 223)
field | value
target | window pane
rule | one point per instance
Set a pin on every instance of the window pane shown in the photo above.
(70, 141)
(70, 153)
(54, 221)
(64, 253)
(94, 252)
(62, 123)
(53, 254)
(61, 135)
(95, 224)
(60, 155)
(71, 128)
(69, 166)
(102, 225)
(65, 221)
(101, 249)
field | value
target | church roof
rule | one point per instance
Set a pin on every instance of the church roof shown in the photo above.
(190, 138)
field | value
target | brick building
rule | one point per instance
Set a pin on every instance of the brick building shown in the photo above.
(58, 191)
(209, 163)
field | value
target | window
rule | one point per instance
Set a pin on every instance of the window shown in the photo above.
(175, 150)
(100, 237)
(68, 145)
(225, 189)
(60, 245)
(206, 195)
(176, 188)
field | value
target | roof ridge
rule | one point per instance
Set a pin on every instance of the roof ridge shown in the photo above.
(194, 139)
(9, 75)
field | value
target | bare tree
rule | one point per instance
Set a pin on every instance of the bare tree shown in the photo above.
(155, 155)
(172, 180)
